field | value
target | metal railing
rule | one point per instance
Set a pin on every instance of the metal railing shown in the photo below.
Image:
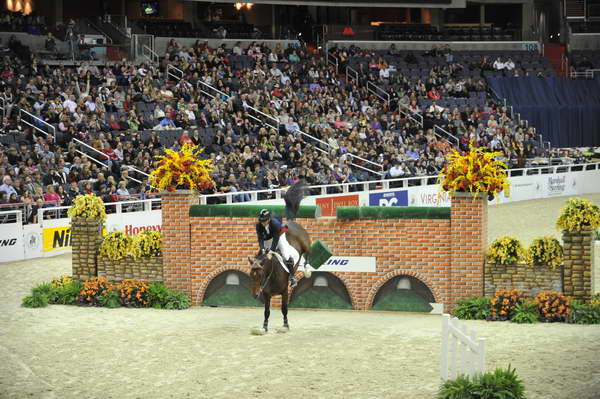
(412, 115)
(351, 75)
(3, 106)
(333, 60)
(587, 74)
(127, 206)
(34, 122)
(378, 91)
(386, 184)
(263, 118)
(446, 135)
(174, 72)
(149, 54)
(206, 89)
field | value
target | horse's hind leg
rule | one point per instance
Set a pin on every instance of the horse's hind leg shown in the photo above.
(267, 299)
(284, 310)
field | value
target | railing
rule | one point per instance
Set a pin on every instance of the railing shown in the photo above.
(333, 61)
(587, 74)
(378, 91)
(174, 72)
(456, 338)
(386, 184)
(60, 212)
(204, 88)
(149, 54)
(351, 75)
(34, 122)
(24, 209)
(412, 115)
(14, 215)
(446, 135)
(261, 117)
(3, 107)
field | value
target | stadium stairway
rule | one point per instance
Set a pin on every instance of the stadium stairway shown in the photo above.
(554, 53)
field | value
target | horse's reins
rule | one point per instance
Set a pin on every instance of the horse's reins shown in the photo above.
(264, 285)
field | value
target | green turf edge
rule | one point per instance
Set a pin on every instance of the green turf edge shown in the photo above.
(393, 212)
(250, 211)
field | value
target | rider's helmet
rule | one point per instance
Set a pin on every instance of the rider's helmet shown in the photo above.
(264, 215)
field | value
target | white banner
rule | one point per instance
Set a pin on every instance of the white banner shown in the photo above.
(349, 264)
(11, 238)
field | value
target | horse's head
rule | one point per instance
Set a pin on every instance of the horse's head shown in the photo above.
(257, 272)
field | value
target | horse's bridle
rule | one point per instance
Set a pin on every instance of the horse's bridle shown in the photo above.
(264, 285)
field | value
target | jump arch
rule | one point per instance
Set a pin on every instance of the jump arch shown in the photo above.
(199, 297)
(381, 282)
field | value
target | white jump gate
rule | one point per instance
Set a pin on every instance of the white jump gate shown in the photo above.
(456, 338)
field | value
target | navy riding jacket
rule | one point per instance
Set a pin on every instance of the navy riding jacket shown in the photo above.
(273, 234)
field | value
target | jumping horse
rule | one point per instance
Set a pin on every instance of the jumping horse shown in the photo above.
(267, 273)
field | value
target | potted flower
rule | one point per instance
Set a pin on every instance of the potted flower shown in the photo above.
(476, 172)
(183, 170)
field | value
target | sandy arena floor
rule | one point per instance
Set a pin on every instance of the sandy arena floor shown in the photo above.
(72, 352)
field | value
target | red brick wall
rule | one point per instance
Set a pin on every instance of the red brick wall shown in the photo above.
(446, 255)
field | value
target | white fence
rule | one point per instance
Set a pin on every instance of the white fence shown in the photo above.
(462, 353)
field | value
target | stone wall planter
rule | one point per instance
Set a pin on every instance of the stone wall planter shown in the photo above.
(596, 267)
(86, 236)
(148, 269)
(578, 263)
(530, 280)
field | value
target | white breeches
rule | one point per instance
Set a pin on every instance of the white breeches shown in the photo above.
(285, 249)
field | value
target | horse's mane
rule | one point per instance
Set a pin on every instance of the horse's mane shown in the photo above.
(293, 197)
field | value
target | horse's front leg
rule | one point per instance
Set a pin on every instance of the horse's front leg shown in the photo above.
(267, 299)
(284, 310)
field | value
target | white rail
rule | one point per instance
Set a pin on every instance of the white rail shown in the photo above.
(437, 129)
(201, 85)
(351, 75)
(175, 72)
(412, 115)
(378, 91)
(35, 120)
(334, 61)
(149, 54)
(471, 350)
(270, 120)
(130, 206)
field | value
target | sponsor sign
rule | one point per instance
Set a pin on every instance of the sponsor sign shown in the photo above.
(557, 185)
(329, 204)
(349, 264)
(56, 238)
(429, 196)
(11, 241)
(389, 198)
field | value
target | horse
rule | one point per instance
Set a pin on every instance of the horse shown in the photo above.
(267, 274)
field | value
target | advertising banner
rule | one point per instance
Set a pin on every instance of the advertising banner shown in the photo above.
(135, 222)
(11, 242)
(329, 204)
(32, 241)
(56, 239)
(349, 264)
(389, 198)
(428, 196)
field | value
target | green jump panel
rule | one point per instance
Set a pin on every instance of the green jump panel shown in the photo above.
(393, 212)
(319, 254)
(250, 211)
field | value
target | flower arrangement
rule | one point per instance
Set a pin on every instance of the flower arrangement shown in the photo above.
(579, 214)
(504, 304)
(93, 289)
(505, 251)
(87, 206)
(553, 306)
(545, 251)
(182, 168)
(595, 300)
(147, 244)
(60, 282)
(134, 293)
(116, 245)
(477, 171)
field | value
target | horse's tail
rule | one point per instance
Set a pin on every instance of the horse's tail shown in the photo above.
(293, 197)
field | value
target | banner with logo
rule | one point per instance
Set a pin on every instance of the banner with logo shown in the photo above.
(11, 242)
(32, 241)
(350, 264)
(329, 204)
(135, 222)
(389, 198)
(56, 237)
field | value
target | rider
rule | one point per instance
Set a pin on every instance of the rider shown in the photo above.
(268, 231)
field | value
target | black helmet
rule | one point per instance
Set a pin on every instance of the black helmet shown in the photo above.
(265, 214)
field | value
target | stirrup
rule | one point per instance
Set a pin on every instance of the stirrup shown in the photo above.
(293, 282)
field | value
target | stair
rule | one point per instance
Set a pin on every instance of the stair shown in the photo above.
(554, 53)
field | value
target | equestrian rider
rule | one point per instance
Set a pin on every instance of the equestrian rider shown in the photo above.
(268, 231)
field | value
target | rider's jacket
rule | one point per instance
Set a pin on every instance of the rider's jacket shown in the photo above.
(274, 228)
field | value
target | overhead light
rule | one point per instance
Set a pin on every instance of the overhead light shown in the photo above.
(239, 6)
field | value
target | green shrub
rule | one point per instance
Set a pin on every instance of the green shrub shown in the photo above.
(473, 308)
(36, 300)
(110, 299)
(67, 294)
(526, 313)
(583, 314)
(44, 288)
(459, 388)
(162, 297)
(499, 384)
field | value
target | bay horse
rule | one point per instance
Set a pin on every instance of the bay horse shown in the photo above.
(267, 274)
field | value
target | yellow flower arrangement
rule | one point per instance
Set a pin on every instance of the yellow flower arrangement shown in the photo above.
(87, 206)
(545, 251)
(183, 168)
(147, 244)
(116, 245)
(475, 172)
(61, 282)
(506, 251)
(579, 214)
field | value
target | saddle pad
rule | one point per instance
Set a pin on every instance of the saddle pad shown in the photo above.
(319, 254)
(281, 262)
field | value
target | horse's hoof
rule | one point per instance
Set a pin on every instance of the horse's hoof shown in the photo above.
(283, 330)
(259, 331)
